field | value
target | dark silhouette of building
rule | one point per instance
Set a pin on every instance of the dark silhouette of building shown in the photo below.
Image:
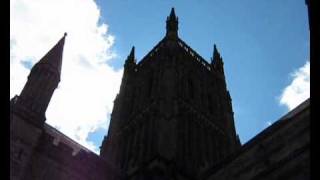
(172, 119)
(173, 112)
(37, 150)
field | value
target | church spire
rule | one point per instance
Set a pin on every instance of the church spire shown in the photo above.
(42, 81)
(172, 25)
(54, 57)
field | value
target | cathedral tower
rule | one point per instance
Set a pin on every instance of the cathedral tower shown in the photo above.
(173, 115)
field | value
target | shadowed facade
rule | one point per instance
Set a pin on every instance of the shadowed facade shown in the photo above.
(173, 108)
(172, 120)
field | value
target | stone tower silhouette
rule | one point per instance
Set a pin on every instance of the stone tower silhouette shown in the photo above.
(173, 115)
(42, 81)
(27, 116)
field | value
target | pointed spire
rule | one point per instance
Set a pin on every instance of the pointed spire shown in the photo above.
(131, 57)
(54, 56)
(217, 59)
(42, 81)
(130, 61)
(172, 24)
(173, 14)
(216, 54)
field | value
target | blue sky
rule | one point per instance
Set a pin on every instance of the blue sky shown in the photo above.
(264, 45)
(261, 42)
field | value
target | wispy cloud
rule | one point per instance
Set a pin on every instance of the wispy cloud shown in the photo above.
(88, 84)
(299, 89)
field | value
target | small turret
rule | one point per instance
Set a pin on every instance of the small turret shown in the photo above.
(172, 25)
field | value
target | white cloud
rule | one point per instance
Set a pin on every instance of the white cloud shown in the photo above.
(268, 123)
(88, 85)
(299, 89)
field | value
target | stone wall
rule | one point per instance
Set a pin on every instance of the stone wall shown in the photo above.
(282, 151)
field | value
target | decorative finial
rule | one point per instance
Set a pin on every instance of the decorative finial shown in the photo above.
(216, 54)
(172, 25)
(217, 59)
(65, 34)
(172, 14)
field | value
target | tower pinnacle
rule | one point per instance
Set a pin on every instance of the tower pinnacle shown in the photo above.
(130, 61)
(172, 13)
(131, 55)
(172, 24)
(217, 59)
(131, 58)
(216, 54)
